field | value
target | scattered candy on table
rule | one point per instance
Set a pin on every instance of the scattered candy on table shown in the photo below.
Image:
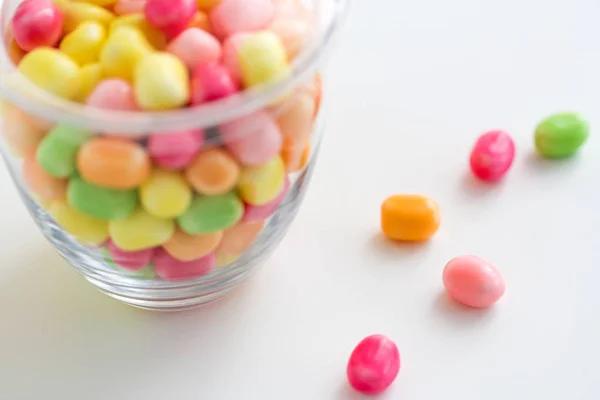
(473, 282)
(409, 217)
(492, 156)
(175, 205)
(373, 365)
(561, 135)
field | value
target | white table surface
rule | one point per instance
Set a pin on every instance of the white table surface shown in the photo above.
(412, 83)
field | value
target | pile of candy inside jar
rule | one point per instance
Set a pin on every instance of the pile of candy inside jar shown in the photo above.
(168, 205)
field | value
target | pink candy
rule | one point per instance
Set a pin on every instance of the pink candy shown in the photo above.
(260, 213)
(37, 23)
(253, 139)
(171, 269)
(170, 16)
(123, 7)
(231, 61)
(232, 16)
(473, 281)
(175, 150)
(211, 82)
(113, 94)
(130, 260)
(194, 47)
(373, 365)
(492, 156)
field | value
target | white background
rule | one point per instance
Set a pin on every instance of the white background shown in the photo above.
(412, 83)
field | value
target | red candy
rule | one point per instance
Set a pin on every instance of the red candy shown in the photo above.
(210, 82)
(37, 23)
(492, 155)
(131, 260)
(171, 269)
(175, 150)
(373, 365)
(170, 16)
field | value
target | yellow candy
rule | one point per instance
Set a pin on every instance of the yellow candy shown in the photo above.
(160, 82)
(260, 184)
(91, 76)
(262, 59)
(165, 194)
(155, 37)
(76, 13)
(140, 231)
(101, 3)
(52, 71)
(86, 229)
(85, 42)
(224, 259)
(123, 49)
(62, 4)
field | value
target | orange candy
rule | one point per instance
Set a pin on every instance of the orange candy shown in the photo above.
(45, 186)
(293, 33)
(207, 5)
(22, 133)
(315, 90)
(240, 237)
(15, 53)
(213, 172)
(113, 163)
(185, 247)
(411, 218)
(200, 20)
(318, 93)
(296, 120)
(294, 160)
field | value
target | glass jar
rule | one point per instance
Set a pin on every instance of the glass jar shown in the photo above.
(167, 210)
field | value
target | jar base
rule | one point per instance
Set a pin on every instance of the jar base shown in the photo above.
(160, 295)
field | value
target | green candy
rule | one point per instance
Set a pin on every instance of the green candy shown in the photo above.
(99, 202)
(208, 214)
(561, 135)
(57, 153)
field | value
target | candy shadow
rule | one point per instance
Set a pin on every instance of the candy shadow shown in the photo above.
(477, 188)
(539, 165)
(452, 313)
(346, 392)
(58, 331)
(391, 248)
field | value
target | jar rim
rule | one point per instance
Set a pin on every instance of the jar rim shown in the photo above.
(19, 91)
